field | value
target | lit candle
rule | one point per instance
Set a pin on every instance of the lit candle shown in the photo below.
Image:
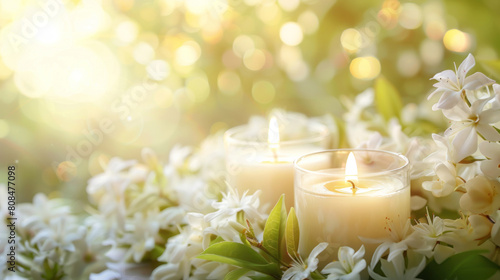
(257, 163)
(350, 199)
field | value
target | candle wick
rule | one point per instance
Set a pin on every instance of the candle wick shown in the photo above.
(275, 155)
(354, 189)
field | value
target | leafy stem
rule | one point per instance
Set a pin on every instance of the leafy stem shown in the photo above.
(261, 247)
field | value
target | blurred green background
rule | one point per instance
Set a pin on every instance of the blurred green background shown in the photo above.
(83, 81)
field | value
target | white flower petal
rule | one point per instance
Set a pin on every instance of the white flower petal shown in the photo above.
(446, 79)
(447, 100)
(458, 113)
(476, 81)
(488, 132)
(490, 168)
(465, 143)
(490, 116)
(478, 105)
(465, 67)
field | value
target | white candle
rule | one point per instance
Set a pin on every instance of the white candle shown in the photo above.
(342, 208)
(268, 165)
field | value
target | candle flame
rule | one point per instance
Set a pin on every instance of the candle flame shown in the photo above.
(351, 169)
(273, 136)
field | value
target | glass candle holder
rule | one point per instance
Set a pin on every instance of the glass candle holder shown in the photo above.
(354, 196)
(253, 163)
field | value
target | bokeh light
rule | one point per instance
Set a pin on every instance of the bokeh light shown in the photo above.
(411, 16)
(166, 72)
(263, 92)
(457, 41)
(365, 68)
(291, 34)
(351, 40)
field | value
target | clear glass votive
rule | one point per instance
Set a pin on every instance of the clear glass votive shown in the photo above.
(338, 204)
(252, 163)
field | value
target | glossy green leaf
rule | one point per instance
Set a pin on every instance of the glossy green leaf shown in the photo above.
(387, 99)
(292, 233)
(492, 67)
(275, 229)
(236, 274)
(466, 265)
(239, 255)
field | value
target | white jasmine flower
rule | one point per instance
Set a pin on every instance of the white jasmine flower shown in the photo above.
(301, 270)
(482, 196)
(373, 143)
(431, 233)
(232, 203)
(114, 174)
(140, 234)
(481, 227)
(431, 230)
(209, 160)
(468, 123)
(178, 156)
(399, 238)
(168, 271)
(451, 84)
(463, 237)
(444, 150)
(60, 234)
(490, 167)
(349, 265)
(445, 182)
(107, 274)
(38, 215)
(193, 196)
(398, 270)
(495, 230)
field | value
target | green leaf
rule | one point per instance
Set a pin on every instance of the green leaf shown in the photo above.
(492, 67)
(262, 277)
(239, 255)
(466, 265)
(292, 234)
(216, 240)
(236, 274)
(275, 229)
(387, 99)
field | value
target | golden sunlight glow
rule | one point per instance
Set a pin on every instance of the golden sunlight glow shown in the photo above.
(351, 169)
(289, 5)
(291, 34)
(273, 135)
(188, 53)
(243, 44)
(456, 40)
(254, 60)
(365, 68)
(351, 40)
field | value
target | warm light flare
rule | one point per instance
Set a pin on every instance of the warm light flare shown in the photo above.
(273, 136)
(351, 169)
